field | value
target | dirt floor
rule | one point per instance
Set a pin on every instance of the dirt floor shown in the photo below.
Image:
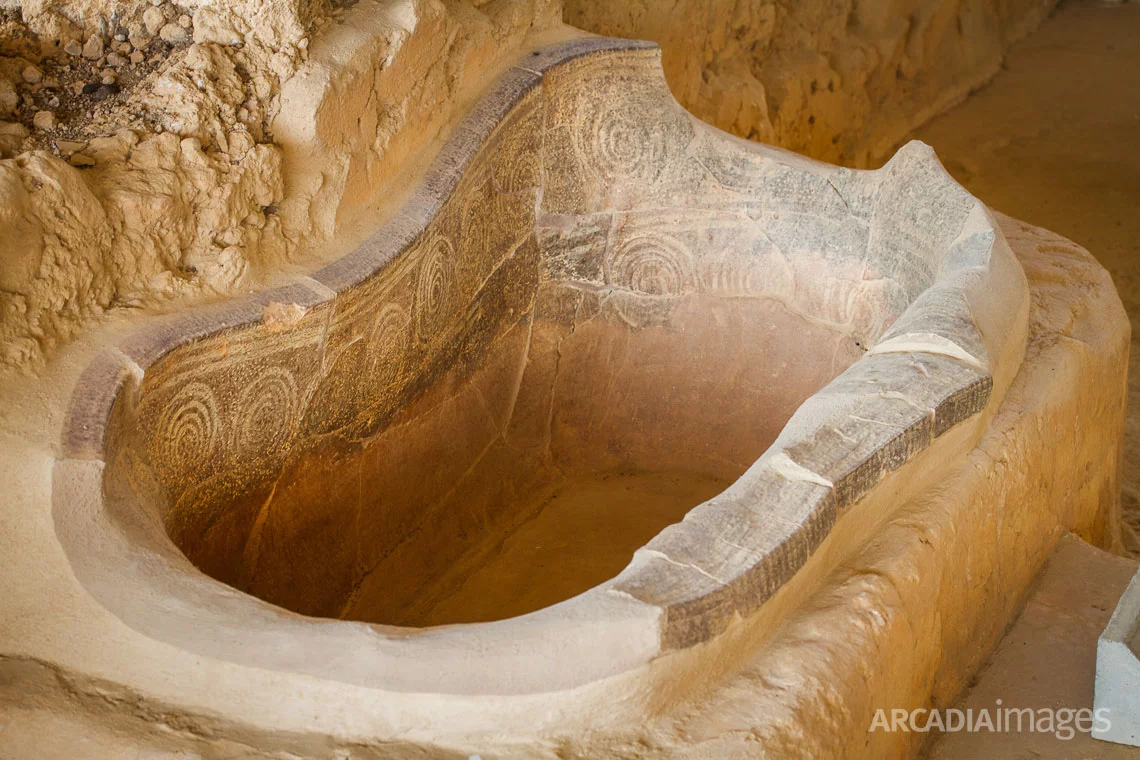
(1053, 140)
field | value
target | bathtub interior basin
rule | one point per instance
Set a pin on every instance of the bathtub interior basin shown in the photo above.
(606, 364)
(383, 516)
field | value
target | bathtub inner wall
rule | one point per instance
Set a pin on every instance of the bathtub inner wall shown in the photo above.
(599, 392)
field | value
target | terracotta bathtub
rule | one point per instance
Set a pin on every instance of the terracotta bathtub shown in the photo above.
(589, 283)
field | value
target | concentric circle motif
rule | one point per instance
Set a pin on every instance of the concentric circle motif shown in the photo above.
(190, 424)
(387, 343)
(480, 218)
(617, 141)
(267, 411)
(516, 174)
(515, 161)
(656, 264)
(434, 285)
(492, 223)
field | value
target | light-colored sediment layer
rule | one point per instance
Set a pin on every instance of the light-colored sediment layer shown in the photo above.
(865, 624)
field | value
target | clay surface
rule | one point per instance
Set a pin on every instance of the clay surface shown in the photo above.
(931, 558)
(221, 154)
(842, 81)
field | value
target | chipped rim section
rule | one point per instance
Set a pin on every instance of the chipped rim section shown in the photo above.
(723, 561)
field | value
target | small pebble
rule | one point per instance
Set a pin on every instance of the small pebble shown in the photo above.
(185, 21)
(123, 48)
(137, 57)
(44, 120)
(93, 48)
(121, 37)
(153, 20)
(105, 91)
(67, 147)
(174, 34)
(31, 74)
(115, 60)
(73, 48)
(108, 77)
(53, 102)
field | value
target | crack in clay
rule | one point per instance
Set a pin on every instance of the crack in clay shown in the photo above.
(354, 591)
(792, 470)
(554, 385)
(750, 552)
(666, 558)
(928, 343)
(888, 425)
(516, 382)
(897, 396)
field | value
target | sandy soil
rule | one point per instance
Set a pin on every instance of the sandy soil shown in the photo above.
(1053, 140)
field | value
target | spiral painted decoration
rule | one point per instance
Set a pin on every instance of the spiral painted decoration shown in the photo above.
(652, 263)
(386, 342)
(620, 143)
(267, 411)
(434, 285)
(190, 424)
